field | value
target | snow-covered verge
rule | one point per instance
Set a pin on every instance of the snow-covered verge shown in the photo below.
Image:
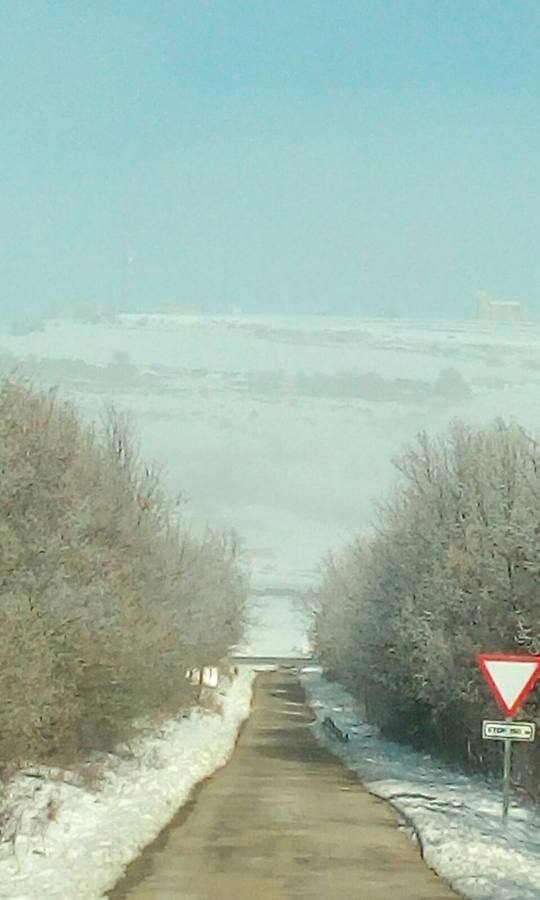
(70, 843)
(456, 818)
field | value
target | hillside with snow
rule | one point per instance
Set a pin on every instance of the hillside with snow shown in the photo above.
(284, 428)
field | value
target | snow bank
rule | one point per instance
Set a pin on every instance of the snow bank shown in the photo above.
(456, 818)
(69, 843)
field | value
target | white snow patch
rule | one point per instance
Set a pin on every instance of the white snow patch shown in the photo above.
(275, 409)
(457, 818)
(70, 843)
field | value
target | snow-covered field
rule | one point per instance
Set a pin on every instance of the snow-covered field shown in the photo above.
(72, 843)
(456, 818)
(284, 427)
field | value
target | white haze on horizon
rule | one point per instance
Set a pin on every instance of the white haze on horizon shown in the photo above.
(284, 428)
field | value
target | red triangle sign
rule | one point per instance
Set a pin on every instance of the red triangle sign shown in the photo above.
(510, 678)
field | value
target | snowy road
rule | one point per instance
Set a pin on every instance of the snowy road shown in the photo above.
(284, 819)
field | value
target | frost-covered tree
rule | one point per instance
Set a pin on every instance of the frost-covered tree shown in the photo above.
(106, 596)
(453, 568)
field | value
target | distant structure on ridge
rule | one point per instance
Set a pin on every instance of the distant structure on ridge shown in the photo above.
(489, 310)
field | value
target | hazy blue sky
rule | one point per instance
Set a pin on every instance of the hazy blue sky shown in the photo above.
(301, 155)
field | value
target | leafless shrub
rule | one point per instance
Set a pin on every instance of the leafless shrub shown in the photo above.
(106, 597)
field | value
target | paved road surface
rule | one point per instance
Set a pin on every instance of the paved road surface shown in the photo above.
(284, 820)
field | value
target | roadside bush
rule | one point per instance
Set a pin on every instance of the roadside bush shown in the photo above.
(453, 569)
(106, 596)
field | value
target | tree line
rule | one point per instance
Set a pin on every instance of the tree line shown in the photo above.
(450, 568)
(107, 598)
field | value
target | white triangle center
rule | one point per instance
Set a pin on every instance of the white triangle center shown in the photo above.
(510, 677)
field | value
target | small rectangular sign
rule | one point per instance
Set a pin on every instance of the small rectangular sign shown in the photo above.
(504, 731)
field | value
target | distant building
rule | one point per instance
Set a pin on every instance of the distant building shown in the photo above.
(489, 310)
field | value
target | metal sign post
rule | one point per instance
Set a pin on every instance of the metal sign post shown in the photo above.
(506, 778)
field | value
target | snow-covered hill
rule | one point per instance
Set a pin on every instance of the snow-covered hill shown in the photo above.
(284, 427)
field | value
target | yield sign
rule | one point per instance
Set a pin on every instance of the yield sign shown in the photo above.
(509, 677)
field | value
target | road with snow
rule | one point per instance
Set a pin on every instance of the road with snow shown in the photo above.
(283, 819)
